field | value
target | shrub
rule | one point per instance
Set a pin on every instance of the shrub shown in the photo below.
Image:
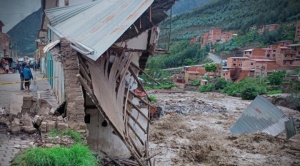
(206, 88)
(77, 155)
(249, 93)
(276, 78)
(221, 83)
(153, 98)
(195, 82)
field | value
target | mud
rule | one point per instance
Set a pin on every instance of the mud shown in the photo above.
(195, 131)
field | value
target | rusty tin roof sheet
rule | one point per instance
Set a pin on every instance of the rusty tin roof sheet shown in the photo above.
(96, 25)
(261, 115)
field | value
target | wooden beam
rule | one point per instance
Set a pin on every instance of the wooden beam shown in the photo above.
(144, 101)
(136, 121)
(135, 147)
(135, 133)
(84, 84)
(138, 81)
(85, 74)
(148, 158)
(134, 65)
(138, 110)
(83, 65)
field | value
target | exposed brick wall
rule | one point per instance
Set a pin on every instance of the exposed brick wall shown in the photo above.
(73, 90)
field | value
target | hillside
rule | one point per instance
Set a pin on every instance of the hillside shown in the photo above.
(23, 34)
(182, 6)
(232, 15)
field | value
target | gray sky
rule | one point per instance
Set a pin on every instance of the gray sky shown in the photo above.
(13, 11)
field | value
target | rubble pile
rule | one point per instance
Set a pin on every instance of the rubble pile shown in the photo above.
(24, 108)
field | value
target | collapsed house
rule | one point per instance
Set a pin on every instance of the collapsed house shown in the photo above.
(97, 50)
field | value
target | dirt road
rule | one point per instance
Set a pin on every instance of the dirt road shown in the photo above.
(197, 133)
(216, 59)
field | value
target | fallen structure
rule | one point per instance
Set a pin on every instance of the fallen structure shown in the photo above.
(261, 115)
(100, 47)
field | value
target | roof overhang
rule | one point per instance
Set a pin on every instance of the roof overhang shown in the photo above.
(93, 27)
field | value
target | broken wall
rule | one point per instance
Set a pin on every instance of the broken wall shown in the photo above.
(73, 90)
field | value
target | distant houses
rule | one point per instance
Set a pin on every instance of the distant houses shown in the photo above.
(262, 61)
(255, 62)
(215, 35)
(5, 44)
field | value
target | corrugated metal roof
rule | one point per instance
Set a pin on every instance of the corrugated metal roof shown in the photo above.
(50, 45)
(96, 25)
(261, 115)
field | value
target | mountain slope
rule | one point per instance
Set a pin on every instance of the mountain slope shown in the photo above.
(182, 6)
(233, 15)
(23, 34)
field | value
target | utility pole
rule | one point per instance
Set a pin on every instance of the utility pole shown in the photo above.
(170, 30)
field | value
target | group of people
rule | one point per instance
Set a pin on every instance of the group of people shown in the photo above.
(5, 65)
(25, 76)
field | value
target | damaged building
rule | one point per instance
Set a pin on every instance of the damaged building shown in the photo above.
(94, 54)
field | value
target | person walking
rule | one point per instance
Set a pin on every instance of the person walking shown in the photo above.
(21, 69)
(27, 77)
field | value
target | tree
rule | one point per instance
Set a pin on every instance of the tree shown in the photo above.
(210, 67)
(221, 83)
(276, 78)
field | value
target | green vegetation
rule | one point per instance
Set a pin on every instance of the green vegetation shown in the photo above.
(195, 82)
(252, 36)
(273, 92)
(276, 78)
(75, 136)
(77, 155)
(248, 88)
(152, 98)
(160, 76)
(182, 6)
(210, 67)
(182, 53)
(232, 15)
(206, 88)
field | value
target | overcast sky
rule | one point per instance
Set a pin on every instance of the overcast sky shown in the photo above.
(13, 11)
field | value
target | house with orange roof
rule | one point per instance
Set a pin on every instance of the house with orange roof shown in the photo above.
(194, 73)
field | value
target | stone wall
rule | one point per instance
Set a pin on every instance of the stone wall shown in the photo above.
(73, 90)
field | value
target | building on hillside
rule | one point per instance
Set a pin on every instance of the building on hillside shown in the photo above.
(270, 27)
(214, 35)
(204, 39)
(285, 56)
(258, 67)
(271, 51)
(285, 42)
(226, 36)
(233, 62)
(297, 31)
(254, 53)
(193, 40)
(296, 48)
(193, 73)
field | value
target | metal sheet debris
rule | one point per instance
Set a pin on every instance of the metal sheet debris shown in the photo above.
(261, 115)
(96, 25)
(290, 128)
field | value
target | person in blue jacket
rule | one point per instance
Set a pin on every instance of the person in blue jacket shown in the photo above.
(27, 77)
